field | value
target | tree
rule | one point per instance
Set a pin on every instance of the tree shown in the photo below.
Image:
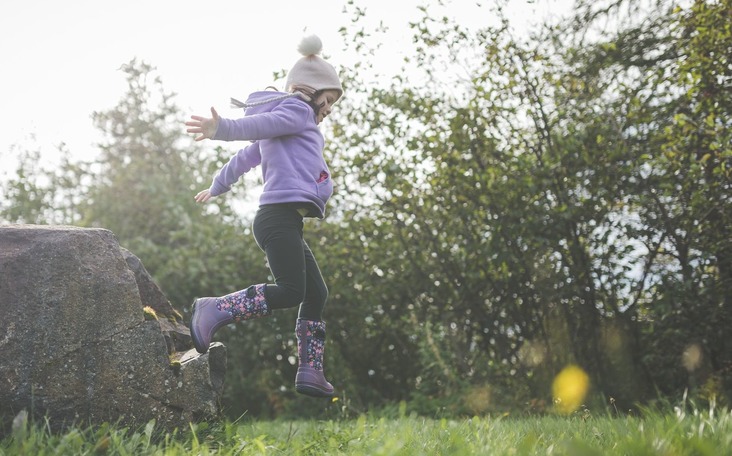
(39, 194)
(143, 186)
(521, 213)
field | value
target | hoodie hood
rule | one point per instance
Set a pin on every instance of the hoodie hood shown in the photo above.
(264, 101)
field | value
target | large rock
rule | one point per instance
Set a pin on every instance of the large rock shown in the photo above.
(87, 337)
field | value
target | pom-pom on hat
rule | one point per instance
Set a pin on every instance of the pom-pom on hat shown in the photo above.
(311, 71)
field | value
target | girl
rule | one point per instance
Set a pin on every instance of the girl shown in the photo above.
(288, 145)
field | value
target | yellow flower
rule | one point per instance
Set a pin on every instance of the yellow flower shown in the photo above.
(570, 388)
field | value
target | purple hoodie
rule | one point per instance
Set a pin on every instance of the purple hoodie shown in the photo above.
(287, 143)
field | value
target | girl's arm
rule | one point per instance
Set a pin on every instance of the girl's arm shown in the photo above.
(289, 117)
(238, 164)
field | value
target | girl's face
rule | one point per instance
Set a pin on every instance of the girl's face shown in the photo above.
(325, 101)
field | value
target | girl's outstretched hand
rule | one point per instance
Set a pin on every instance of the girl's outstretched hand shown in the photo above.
(205, 126)
(203, 196)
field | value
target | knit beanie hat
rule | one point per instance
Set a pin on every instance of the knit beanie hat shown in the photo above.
(312, 71)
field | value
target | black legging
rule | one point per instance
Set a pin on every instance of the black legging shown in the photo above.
(278, 230)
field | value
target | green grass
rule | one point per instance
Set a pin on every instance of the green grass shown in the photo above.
(695, 432)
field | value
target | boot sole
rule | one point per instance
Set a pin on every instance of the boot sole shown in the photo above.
(309, 389)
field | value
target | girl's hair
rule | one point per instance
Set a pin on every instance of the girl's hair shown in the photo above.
(309, 93)
(312, 104)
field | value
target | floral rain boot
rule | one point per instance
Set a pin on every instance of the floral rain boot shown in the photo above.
(210, 314)
(310, 379)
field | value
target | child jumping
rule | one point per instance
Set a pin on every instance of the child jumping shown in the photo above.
(287, 143)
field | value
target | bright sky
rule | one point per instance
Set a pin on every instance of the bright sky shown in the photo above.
(61, 59)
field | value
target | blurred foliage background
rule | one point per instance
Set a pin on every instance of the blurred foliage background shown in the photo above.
(512, 207)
